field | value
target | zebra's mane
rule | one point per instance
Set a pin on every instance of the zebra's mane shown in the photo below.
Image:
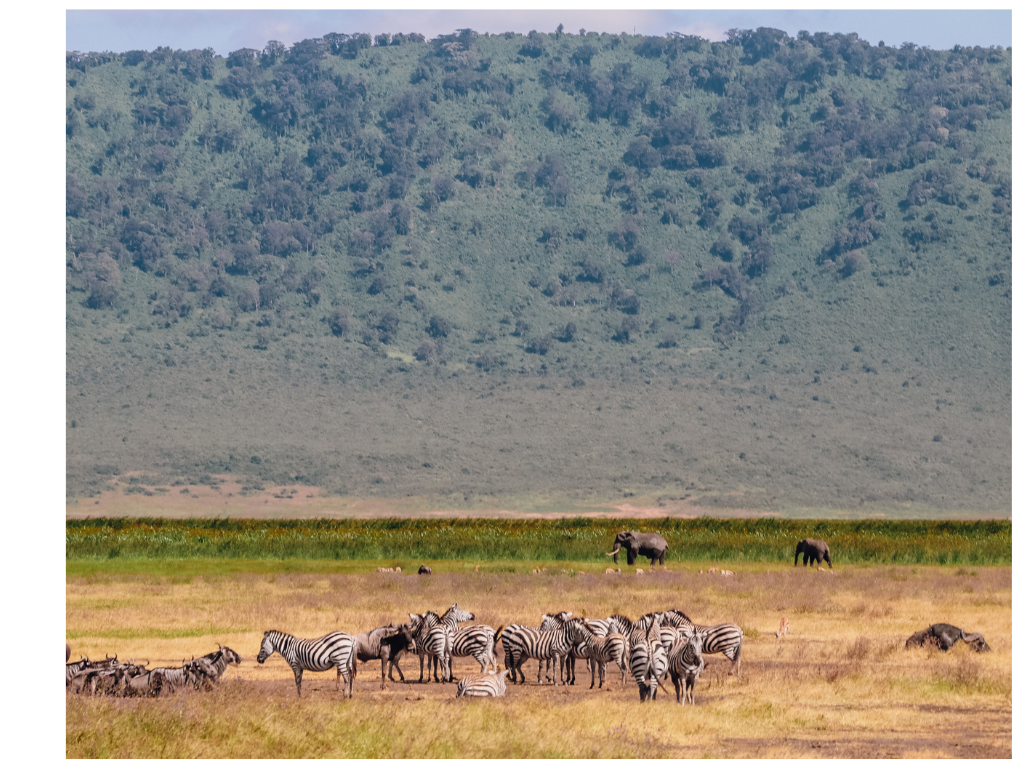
(581, 622)
(676, 613)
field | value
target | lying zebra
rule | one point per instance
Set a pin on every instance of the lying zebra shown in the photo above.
(489, 684)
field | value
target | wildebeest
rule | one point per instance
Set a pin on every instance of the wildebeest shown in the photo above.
(424, 570)
(945, 636)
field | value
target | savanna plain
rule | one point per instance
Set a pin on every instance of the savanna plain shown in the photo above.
(840, 684)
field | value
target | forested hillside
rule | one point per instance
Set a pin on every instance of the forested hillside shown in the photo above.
(770, 271)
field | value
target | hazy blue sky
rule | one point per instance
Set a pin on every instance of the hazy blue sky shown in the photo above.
(228, 30)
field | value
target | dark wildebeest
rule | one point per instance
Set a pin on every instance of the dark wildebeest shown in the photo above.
(945, 636)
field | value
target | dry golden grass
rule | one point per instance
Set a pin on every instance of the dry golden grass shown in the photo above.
(840, 684)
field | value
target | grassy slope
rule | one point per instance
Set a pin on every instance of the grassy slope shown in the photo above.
(777, 426)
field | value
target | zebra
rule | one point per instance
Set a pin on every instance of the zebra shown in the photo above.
(523, 643)
(335, 649)
(477, 640)
(648, 661)
(599, 651)
(548, 623)
(490, 684)
(669, 636)
(726, 639)
(440, 639)
(685, 664)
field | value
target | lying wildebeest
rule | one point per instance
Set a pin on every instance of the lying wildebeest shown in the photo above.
(424, 570)
(945, 636)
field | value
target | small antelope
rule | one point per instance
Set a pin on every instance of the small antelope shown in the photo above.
(639, 571)
(712, 570)
(477, 567)
(728, 573)
(382, 569)
(783, 627)
(398, 569)
(609, 570)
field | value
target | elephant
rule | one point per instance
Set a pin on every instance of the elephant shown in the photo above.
(640, 544)
(814, 551)
(945, 636)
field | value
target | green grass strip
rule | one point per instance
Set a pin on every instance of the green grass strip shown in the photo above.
(581, 540)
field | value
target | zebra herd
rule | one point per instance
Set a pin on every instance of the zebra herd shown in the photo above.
(656, 645)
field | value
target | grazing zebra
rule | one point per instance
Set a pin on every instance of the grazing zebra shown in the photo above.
(648, 661)
(477, 640)
(685, 664)
(335, 649)
(489, 684)
(440, 639)
(523, 643)
(726, 639)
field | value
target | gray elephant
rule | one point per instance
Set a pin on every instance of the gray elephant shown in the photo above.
(639, 544)
(945, 636)
(813, 550)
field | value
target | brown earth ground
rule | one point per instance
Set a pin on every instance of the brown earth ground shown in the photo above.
(839, 685)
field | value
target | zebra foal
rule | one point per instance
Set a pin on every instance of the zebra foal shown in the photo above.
(489, 684)
(335, 649)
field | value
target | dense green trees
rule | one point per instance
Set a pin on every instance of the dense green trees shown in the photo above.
(477, 199)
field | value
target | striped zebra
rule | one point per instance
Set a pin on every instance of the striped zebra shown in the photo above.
(335, 649)
(599, 651)
(648, 661)
(421, 624)
(548, 623)
(669, 636)
(522, 643)
(726, 639)
(489, 684)
(477, 640)
(440, 640)
(685, 664)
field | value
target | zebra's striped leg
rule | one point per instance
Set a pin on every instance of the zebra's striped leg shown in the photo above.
(298, 679)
